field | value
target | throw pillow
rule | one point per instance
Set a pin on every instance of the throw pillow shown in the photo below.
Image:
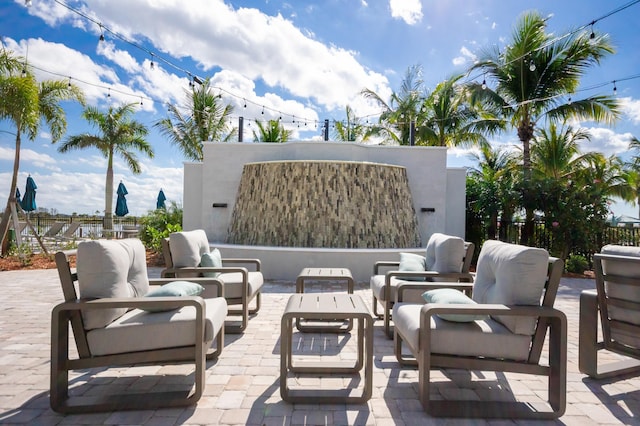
(452, 296)
(412, 263)
(213, 259)
(174, 289)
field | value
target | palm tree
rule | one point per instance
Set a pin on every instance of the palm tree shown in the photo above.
(272, 131)
(533, 77)
(447, 119)
(495, 179)
(202, 117)
(118, 134)
(352, 130)
(555, 152)
(26, 103)
(403, 108)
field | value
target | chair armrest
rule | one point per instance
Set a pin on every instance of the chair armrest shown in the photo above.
(184, 273)
(132, 303)
(241, 260)
(203, 281)
(431, 309)
(466, 288)
(384, 263)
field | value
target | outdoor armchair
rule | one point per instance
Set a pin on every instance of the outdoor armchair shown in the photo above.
(114, 324)
(187, 254)
(502, 329)
(615, 304)
(444, 254)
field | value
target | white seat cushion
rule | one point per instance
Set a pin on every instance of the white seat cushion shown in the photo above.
(444, 253)
(233, 283)
(139, 330)
(110, 268)
(487, 338)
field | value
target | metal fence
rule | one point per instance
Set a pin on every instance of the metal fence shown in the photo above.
(91, 227)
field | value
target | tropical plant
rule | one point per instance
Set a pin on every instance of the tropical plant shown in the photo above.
(533, 78)
(158, 224)
(202, 117)
(351, 130)
(494, 184)
(403, 109)
(27, 103)
(272, 131)
(118, 135)
(447, 119)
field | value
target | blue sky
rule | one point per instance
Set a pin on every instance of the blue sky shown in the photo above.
(302, 60)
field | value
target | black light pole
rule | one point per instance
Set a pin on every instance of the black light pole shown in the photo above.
(240, 128)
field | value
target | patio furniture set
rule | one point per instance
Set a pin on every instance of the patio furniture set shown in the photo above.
(439, 314)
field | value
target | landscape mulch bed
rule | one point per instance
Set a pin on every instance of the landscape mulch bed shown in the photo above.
(43, 261)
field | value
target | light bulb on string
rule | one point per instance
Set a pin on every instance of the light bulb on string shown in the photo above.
(532, 66)
(592, 36)
(245, 103)
(28, 3)
(615, 88)
(69, 83)
(101, 33)
(151, 64)
(484, 84)
(262, 110)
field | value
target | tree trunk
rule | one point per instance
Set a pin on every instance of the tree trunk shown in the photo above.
(108, 194)
(5, 223)
(525, 134)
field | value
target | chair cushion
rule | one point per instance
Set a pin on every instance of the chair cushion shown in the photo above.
(376, 283)
(110, 268)
(511, 274)
(452, 296)
(187, 247)
(212, 259)
(488, 338)
(174, 289)
(623, 291)
(413, 263)
(233, 285)
(444, 253)
(139, 330)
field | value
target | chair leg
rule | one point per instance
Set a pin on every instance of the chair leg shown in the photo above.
(588, 345)
(374, 304)
(255, 310)
(387, 319)
(397, 343)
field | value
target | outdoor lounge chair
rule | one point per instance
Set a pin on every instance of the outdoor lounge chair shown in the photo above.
(69, 233)
(112, 326)
(502, 329)
(444, 254)
(53, 230)
(187, 254)
(617, 299)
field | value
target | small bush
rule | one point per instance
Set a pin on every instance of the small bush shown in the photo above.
(576, 264)
(158, 224)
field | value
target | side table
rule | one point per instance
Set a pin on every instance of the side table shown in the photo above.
(323, 306)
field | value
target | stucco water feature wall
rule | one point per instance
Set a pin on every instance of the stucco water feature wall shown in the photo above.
(211, 190)
(327, 204)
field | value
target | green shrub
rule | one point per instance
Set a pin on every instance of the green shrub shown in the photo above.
(576, 264)
(158, 224)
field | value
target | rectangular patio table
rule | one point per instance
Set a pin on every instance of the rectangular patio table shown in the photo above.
(327, 306)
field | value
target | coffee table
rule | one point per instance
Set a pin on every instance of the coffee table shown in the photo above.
(327, 306)
(325, 274)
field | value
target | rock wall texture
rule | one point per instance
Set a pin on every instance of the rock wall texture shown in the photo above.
(324, 204)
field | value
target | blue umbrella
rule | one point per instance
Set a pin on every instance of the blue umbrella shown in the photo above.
(28, 202)
(121, 202)
(161, 200)
(18, 196)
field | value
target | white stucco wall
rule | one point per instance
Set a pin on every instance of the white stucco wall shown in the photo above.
(217, 178)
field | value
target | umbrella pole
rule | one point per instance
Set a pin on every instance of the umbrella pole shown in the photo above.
(33, 230)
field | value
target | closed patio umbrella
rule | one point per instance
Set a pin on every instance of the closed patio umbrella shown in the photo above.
(121, 202)
(28, 202)
(18, 196)
(161, 200)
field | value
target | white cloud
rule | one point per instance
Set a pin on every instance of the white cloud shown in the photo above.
(606, 141)
(410, 11)
(121, 57)
(465, 57)
(631, 109)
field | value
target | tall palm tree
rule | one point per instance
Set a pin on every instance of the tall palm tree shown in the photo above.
(27, 103)
(118, 134)
(533, 77)
(202, 117)
(402, 109)
(272, 131)
(352, 130)
(447, 119)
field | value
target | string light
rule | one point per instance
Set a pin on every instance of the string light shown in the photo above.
(484, 86)
(532, 66)
(615, 89)
(28, 3)
(101, 33)
(151, 64)
(69, 83)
